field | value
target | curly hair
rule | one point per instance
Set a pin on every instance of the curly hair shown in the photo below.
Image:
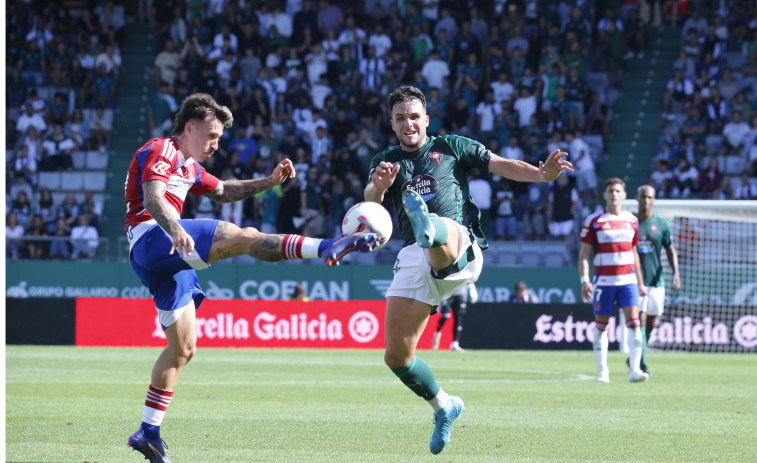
(201, 106)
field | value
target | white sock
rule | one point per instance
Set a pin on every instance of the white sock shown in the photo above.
(600, 349)
(634, 348)
(440, 401)
(623, 341)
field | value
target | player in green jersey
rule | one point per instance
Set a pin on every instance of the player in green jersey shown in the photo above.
(426, 179)
(654, 234)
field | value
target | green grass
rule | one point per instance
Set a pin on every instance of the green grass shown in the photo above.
(80, 404)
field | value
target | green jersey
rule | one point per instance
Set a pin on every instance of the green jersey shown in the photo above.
(438, 172)
(654, 235)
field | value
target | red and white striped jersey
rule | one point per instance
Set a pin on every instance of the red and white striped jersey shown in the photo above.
(613, 238)
(160, 159)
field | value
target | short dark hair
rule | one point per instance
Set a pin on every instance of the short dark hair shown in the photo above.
(405, 93)
(201, 106)
(614, 181)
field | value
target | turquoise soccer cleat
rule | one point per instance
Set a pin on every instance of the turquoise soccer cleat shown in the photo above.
(443, 423)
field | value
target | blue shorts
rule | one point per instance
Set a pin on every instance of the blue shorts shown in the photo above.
(172, 282)
(605, 297)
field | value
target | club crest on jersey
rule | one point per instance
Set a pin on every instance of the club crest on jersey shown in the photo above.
(435, 156)
(425, 185)
(653, 228)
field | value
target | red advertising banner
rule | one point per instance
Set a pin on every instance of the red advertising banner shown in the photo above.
(243, 323)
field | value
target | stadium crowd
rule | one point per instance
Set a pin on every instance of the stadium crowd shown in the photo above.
(708, 123)
(307, 80)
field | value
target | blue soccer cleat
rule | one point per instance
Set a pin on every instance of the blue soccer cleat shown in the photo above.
(355, 242)
(443, 423)
(417, 212)
(151, 449)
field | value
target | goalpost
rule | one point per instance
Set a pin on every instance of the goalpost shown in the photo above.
(716, 308)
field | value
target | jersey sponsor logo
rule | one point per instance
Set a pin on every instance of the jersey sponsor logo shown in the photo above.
(436, 156)
(425, 185)
(161, 168)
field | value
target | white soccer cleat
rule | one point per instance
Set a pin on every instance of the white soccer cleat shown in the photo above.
(637, 376)
(603, 376)
(456, 347)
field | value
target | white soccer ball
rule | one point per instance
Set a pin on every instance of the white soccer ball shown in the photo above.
(368, 217)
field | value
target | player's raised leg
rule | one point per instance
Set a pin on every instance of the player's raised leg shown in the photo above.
(439, 234)
(231, 241)
(405, 321)
(182, 345)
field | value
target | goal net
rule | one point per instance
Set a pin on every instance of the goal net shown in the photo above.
(716, 308)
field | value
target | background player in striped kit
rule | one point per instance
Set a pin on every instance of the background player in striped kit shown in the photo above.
(165, 250)
(654, 234)
(613, 235)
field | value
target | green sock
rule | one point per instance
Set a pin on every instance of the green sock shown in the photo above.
(440, 237)
(417, 375)
(644, 346)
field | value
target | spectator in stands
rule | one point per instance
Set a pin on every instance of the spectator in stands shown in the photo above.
(111, 57)
(160, 111)
(59, 247)
(29, 118)
(36, 249)
(13, 233)
(735, 132)
(717, 111)
(93, 206)
(695, 22)
(167, 63)
(103, 88)
(523, 295)
(535, 219)
(728, 85)
(329, 16)
(47, 208)
(100, 127)
(585, 171)
(710, 179)
(486, 112)
(685, 178)
(32, 64)
(662, 179)
(69, 210)
(481, 193)
(84, 238)
(726, 190)
(694, 126)
(746, 189)
(562, 206)
(679, 90)
(634, 34)
(25, 166)
(58, 111)
(504, 204)
(56, 150)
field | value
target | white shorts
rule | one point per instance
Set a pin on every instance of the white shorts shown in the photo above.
(413, 277)
(654, 303)
(561, 228)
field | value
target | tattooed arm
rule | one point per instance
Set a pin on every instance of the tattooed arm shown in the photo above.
(155, 203)
(236, 190)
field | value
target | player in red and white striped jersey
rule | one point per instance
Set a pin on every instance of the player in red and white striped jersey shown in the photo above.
(613, 235)
(165, 250)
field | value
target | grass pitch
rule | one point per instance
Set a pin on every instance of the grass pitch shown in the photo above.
(80, 404)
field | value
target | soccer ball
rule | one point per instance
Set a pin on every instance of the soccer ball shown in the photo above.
(368, 217)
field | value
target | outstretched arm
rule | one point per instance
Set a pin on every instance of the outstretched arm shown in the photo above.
(524, 172)
(236, 190)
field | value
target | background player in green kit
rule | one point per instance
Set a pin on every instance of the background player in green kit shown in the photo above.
(441, 252)
(654, 234)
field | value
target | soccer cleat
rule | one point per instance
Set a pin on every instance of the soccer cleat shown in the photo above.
(637, 376)
(443, 423)
(603, 376)
(355, 242)
(435, 343)
(417, 212)
(645, 369)
(455, 346)
(151, 449)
